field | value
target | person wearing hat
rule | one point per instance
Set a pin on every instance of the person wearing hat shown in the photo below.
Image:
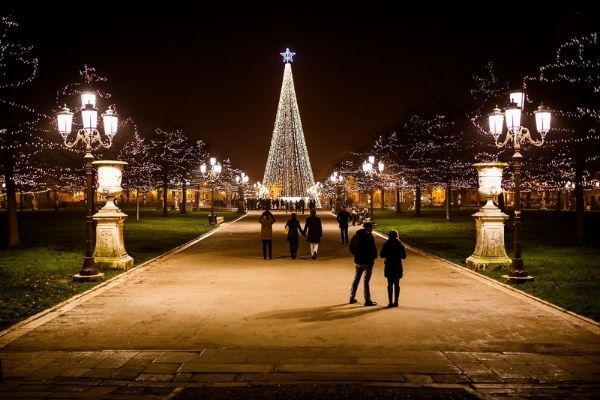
(364, 250)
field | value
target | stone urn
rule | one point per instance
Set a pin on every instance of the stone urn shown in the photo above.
(110, 244)
(110, 174)
(490, 181)
(490, 252)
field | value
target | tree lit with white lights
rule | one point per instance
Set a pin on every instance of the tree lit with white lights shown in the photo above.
(288, 173)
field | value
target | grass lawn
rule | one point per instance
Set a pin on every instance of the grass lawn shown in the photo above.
(565, 274)
(38, 275)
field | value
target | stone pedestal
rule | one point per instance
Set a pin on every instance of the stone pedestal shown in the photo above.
(489, 251)
(110, 246)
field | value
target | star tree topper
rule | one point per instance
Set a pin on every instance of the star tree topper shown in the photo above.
(288, 56)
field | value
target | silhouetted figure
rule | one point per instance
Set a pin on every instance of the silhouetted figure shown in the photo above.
(266, 233)
(394, 252)
(313, 231)
(363, 247)
(343, 218)
(293, 235)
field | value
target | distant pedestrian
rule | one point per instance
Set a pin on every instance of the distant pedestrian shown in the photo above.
(394, 252)
(293, 234)
(363, 247)
(343, 219)
(266, 233)
(313, 231)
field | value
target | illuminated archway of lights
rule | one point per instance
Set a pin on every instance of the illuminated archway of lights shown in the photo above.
(288, 173)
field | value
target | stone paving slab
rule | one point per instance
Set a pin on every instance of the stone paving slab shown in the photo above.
(216, 314)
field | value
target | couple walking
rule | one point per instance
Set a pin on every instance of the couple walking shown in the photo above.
(363, 248)
(313, 230)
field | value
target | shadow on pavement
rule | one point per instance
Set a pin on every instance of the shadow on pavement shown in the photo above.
(326, 313)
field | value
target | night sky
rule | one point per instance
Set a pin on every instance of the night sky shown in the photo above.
(217, 73)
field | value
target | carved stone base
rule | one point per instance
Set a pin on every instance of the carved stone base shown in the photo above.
(110, 246)
(489, 253)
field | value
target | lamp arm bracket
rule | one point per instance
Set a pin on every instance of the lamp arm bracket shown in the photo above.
(72, 144)
(97, 138)
(509, 137)
(526, 136)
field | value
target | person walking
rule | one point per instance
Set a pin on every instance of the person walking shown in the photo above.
(293, 234)
(267, 219)
(363, 248)
(394, 252)
(343, 219)
(313, 230)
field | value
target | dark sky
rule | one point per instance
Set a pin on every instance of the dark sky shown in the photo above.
(217, 73)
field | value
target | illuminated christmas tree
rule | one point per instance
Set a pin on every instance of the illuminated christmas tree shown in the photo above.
(288, 173)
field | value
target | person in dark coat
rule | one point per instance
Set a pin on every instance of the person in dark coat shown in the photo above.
(394, 252)
(343, 218)
(313, 231)
(294, 231)
(363, 247)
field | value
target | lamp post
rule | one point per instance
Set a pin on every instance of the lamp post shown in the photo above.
(518, 135)
(338, 181)
(88, 135)
(241, 180)
(212, 174)
(368, 167)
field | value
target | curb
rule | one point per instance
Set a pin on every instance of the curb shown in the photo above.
(580, 320)
(14, 332)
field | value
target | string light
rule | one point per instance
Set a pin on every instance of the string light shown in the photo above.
(288, 173)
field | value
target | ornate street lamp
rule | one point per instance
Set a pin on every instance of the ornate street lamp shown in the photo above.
(518, 135)
(88, 135)
(241, 181)
(368, 167)
(338, 182)
(211, 173)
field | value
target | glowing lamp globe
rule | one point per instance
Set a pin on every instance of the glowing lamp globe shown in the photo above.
(496, 120)
(513, 116)
(542, 119)
(89, 116)
(490, 180)
(88, 98)
(64, 118)
(110, 173)
(517, 97)
(111, 122)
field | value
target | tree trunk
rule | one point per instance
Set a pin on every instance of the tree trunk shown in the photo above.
(198, 198)
(579, 199)
(418, 201)
(558, 194)
(20, 199)
(165, 194)
(398, 205)
(11, 203)
(448, 201)
(183, 197)
(137, 205)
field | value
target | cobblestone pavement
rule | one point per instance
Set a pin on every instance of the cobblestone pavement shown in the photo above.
(217, 315)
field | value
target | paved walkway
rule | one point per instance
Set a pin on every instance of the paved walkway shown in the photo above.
(216, 313)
